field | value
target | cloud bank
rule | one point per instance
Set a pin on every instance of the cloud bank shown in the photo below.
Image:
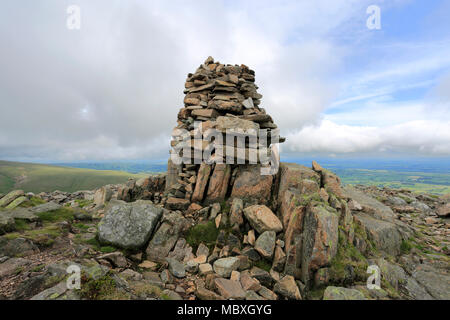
(112, 89)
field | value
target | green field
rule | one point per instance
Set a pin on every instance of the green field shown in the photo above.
(436, 183)
(44, 178)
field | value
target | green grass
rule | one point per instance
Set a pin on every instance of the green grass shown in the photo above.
(45, 178)
(62, 214)
(427, 182)
(263, 264)
(205, 233)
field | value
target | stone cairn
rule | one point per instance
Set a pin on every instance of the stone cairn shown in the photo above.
(218, 97)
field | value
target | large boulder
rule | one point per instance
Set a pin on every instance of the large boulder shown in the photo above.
(251, 186)
(129, 225)
(261, 218)
(10, 197)
(320, 238)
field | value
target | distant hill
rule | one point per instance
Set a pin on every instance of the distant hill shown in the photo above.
(37, 178)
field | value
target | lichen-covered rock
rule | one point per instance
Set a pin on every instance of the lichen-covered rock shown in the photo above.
(10, 197)
(265, 244)
(129, 225)
(340, 293)
(383, 234)
(261, 218)
(17, 202)
(225, 266)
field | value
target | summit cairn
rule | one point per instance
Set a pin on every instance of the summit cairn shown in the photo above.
(222, 133)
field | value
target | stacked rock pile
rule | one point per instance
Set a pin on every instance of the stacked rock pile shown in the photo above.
(220, 127)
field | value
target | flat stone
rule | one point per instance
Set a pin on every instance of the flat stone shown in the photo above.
(230, 289)
(205, 268)
(225, 266)
(177, 204)
(265, 244)
(45, 207)
(176, 268)
(261, 218)
(340, 293)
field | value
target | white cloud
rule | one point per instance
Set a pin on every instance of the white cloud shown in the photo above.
(113, 89)
(428, 137)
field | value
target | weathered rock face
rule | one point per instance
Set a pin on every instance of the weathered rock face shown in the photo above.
(385, 235)
(218, 183)
(165, 238)
(320, 238)
(129, 225)
(251, 186)
(102, 195)
(370, 205)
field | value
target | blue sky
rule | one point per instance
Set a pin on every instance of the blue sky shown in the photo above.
(111, 90)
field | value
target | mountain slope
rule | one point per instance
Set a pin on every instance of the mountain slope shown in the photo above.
(36, 178)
